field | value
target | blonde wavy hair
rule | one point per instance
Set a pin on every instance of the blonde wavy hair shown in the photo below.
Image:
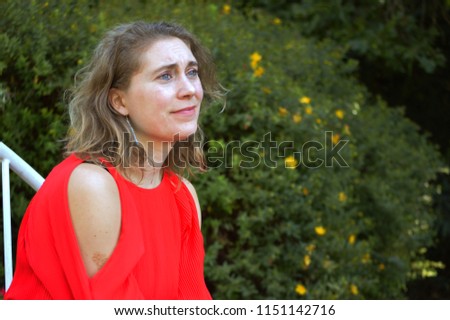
(97, 130)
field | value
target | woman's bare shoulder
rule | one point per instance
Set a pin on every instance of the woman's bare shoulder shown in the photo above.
(95, 209)
(91, 176)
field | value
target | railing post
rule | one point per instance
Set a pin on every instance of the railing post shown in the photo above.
(7, 237)
(19, 166)
(10, 160)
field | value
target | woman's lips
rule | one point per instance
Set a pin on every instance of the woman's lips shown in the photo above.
(185, 111)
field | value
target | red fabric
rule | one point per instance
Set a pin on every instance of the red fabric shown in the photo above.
(159, 254)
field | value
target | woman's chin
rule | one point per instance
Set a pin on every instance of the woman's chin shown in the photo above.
(185, 133)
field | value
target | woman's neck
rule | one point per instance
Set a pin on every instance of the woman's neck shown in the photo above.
(148, 174)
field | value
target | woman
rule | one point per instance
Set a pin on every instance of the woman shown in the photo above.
(114, 220)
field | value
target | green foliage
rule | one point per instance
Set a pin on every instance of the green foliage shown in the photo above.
(397, 32)
(42, 44)
(277, 223)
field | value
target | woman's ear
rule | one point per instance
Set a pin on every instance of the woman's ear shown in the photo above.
(116, 100)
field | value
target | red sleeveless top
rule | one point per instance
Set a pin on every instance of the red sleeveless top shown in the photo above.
(159, 254)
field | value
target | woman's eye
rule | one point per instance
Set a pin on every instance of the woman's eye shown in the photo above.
(193, 73)
(165, 76)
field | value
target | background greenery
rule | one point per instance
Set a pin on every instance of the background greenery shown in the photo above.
(370, 230)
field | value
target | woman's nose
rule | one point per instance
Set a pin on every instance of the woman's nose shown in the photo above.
(186, 87)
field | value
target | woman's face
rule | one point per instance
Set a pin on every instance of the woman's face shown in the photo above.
(164, 96)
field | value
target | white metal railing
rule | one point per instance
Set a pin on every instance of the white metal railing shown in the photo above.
(11, 160)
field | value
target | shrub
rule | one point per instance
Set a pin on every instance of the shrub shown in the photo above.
(316, 189)
(42, 44)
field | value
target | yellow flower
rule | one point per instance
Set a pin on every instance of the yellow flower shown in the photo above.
(305, 100)
(336, 138)
(276, 21)
(340, 114)
(305, 191)
(297, 118)
(310, 248)
(318, 121)
(308, 110)
(290, 162)
(354, 289)
(352, 239)
(255, 58)
(366, 258)
(320, 230)
(347, 130)
(381, 266)
(282, 111)
(301, 289)
(307, 261)
(342, 197)
(259, 71)
(266, 90)
(226, 9)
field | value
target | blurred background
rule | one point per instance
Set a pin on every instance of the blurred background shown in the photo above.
(281, 219)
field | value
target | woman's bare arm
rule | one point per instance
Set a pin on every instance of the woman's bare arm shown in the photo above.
(95, 210)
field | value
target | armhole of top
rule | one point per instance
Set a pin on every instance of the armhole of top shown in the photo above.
(97, 164)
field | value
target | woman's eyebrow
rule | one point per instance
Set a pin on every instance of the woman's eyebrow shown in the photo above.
(174, 66)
